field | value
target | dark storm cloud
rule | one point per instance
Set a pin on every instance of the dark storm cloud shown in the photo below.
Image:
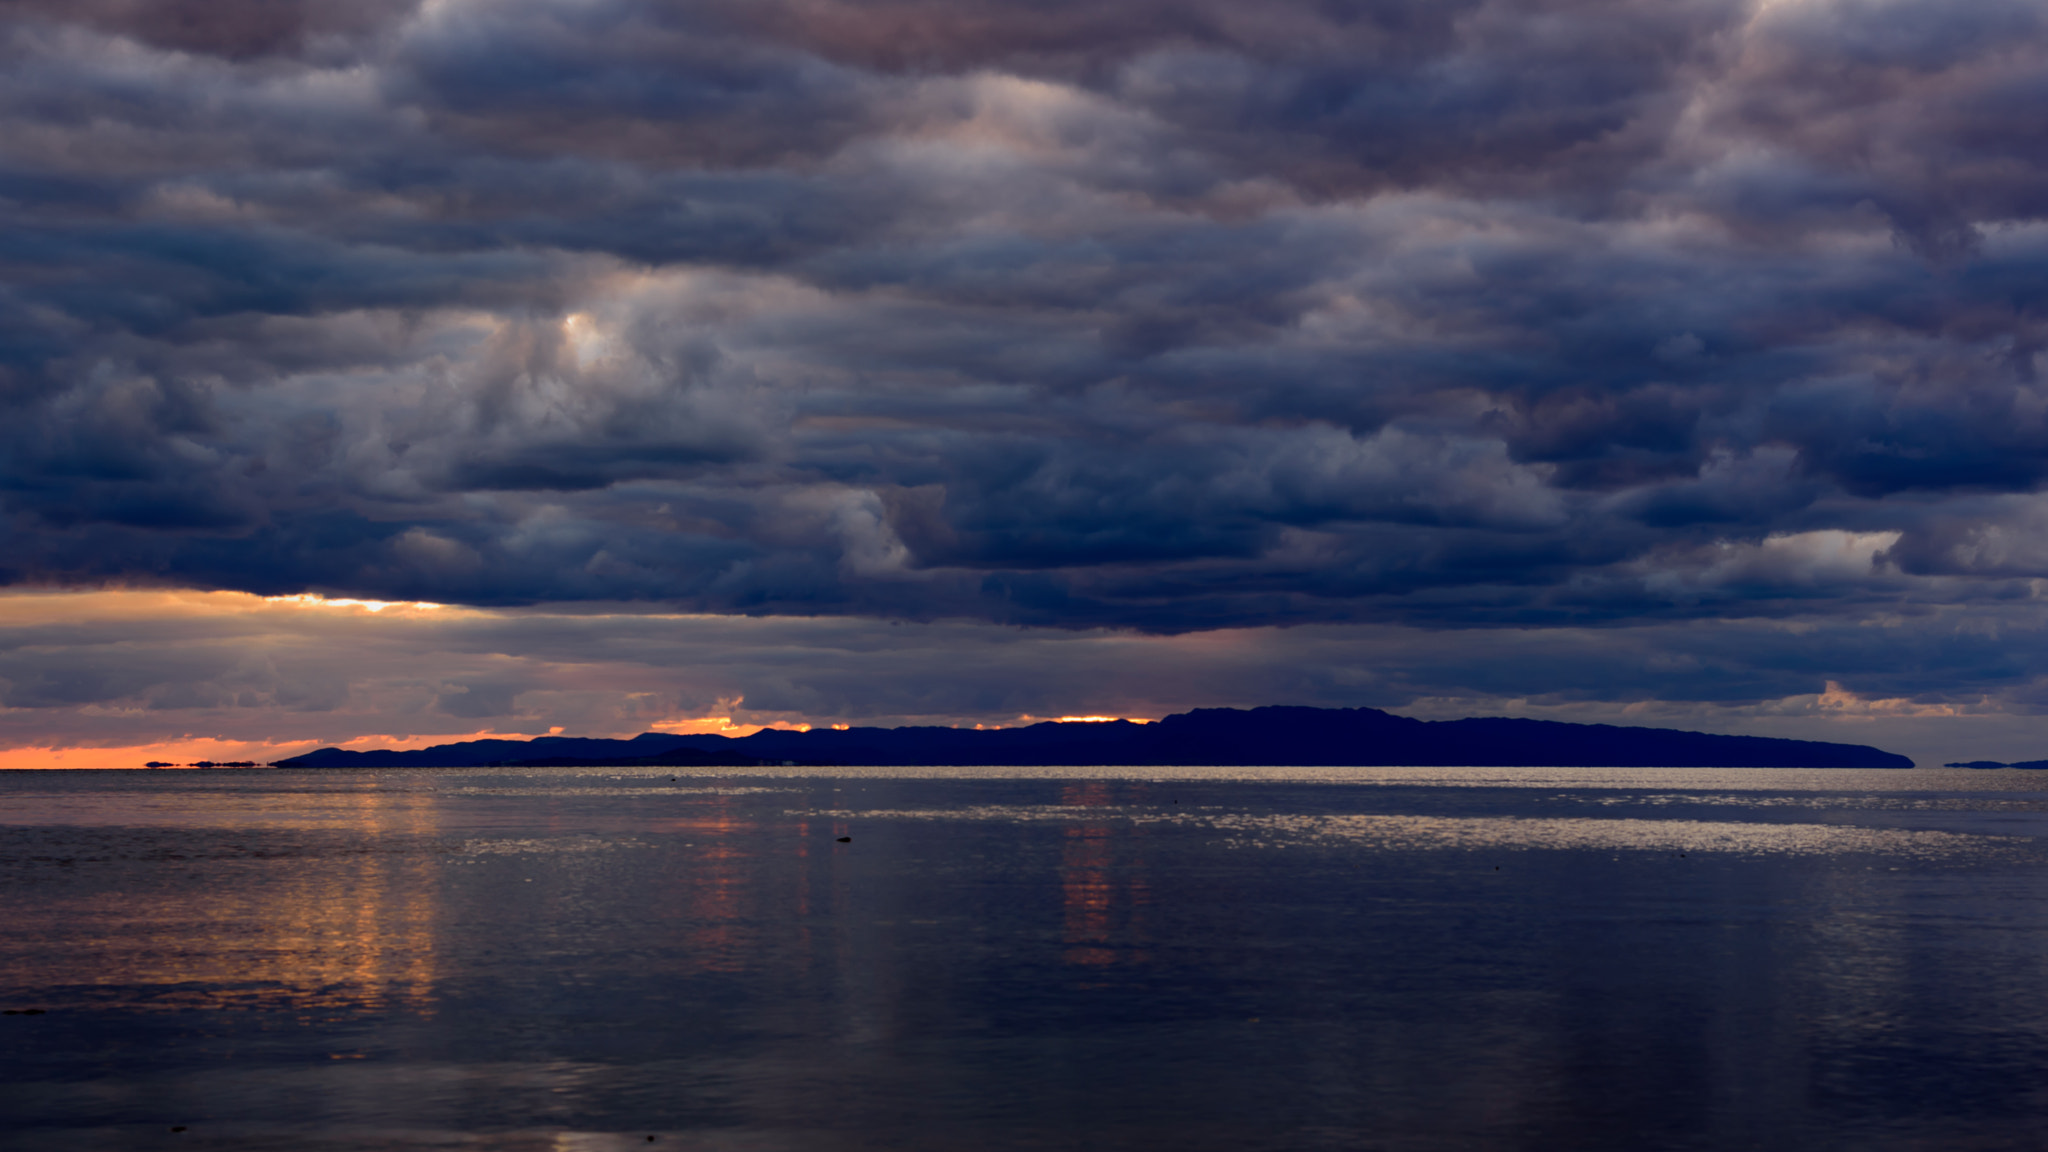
(236, 29)
(1165, 316)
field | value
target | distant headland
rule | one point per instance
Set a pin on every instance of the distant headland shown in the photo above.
(1273, 736)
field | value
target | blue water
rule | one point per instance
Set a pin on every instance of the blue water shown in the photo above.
(999, 959)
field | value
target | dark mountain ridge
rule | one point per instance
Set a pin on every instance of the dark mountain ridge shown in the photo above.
(1276, 736)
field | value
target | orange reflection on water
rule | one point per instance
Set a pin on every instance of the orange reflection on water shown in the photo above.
(713, 903)
(331, 932)
(1103, 902)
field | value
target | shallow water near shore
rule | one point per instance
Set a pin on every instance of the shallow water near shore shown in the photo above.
(1018, 958)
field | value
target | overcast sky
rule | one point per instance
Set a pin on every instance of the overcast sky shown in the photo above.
(948, 361)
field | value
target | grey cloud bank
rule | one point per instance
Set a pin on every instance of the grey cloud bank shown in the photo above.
(129, 669)
(1383, 320)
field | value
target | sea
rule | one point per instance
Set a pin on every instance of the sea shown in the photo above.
(1189, 959)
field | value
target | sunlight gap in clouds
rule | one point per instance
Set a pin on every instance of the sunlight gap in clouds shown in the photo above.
(177, 752)
(315, 600)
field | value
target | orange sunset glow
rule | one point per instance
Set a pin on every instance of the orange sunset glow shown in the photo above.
(119, 677)
(1204, 575)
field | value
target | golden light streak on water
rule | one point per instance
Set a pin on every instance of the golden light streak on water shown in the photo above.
(356, 932)
(1101, 900)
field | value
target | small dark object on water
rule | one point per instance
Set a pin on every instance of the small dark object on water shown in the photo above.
(177, 1127)
(23, 1012)
(846, 839)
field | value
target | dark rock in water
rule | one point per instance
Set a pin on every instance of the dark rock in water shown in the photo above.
(1282, 736)
(846, 839)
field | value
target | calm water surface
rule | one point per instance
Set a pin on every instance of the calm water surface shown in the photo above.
(1054, 958)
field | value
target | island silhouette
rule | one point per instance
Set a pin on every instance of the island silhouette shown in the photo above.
(1271, 736)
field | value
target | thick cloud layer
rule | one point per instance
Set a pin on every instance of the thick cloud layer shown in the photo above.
(187, 676)
(1127, 315)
